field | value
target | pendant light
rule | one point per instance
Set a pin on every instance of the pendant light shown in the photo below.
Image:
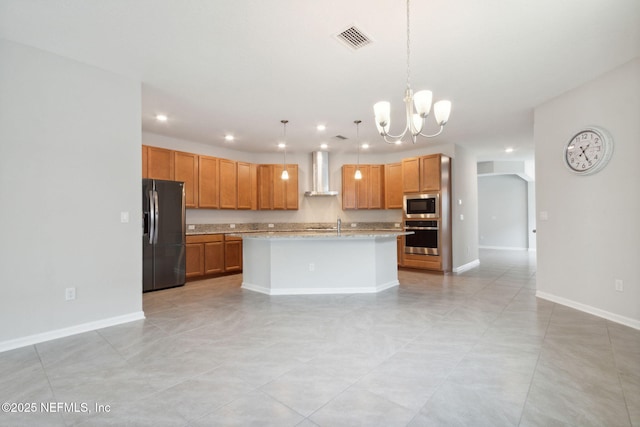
(285, 174)
(417, 108)
(358, 174)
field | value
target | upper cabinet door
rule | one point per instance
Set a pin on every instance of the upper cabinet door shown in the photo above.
(411, 175)
(393, 186)
(208, 182)
(145, 160)
(292, 188)
(349, 188)
(376, 187)
(265, 187)
(160, 163)
(430, 173)
(228, 184)
(186, 170)
(245, 189)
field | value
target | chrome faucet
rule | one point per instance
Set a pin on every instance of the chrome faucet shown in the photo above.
(339, 224)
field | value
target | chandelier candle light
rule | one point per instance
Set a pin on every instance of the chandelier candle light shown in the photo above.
(358, 174)
(418, 106)
(285, 174)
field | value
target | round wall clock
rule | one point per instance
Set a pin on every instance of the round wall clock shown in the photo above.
(588, 151)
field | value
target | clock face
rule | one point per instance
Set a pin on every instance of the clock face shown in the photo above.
(588, 151)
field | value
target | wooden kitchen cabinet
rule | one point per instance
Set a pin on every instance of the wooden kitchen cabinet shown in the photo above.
(232, 253)
(421, 174)
(273, 191)
(430, 173)
(208, 182)
(366, 193)
(228, 184)
(186, 170)
(194, 259)
(376, 187)
(214, 255)
(205, 255)
(254, 186)
(160, 163)
(285, 193)
(265, 186)
(145, 160)
(393, 186)
(349, 188)
(411, 175)
(245, 184)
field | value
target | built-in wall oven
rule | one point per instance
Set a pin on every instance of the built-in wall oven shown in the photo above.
(418, 206)
(425, 239)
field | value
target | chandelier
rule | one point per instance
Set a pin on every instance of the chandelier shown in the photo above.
(418, 106)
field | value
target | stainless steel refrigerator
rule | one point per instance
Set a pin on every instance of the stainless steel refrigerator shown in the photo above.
(163, 239)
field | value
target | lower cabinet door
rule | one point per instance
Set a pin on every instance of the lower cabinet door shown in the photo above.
(233, 254)
(195, 259)
(213, 257)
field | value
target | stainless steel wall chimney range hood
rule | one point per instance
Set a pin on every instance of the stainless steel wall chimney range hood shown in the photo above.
(320, 166)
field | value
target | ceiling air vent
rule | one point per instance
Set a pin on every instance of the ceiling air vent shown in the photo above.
(354, 38)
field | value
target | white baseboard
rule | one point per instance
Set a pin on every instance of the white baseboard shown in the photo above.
(320, 291)
(504, 248)
(623, 320)
(72, 330)
(467, 266)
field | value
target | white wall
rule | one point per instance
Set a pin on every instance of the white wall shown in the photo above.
(69, 164)
(592, 235)
(328, 209)
(464, 195)
(502, 212)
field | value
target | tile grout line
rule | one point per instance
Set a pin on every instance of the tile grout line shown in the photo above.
(615, 361)
(535, 369)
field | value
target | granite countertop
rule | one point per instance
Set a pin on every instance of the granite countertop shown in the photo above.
(320, 234)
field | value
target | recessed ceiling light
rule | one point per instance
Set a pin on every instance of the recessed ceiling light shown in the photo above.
(161, 117)
(281, 145)
(229, 138)
(365, 146)
(324, 146)
(508, 150)
(321, 128)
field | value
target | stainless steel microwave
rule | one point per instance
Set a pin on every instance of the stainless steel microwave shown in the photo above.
(422, 205)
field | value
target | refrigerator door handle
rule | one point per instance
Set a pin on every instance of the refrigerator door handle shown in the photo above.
(156, 217)
(152, 217)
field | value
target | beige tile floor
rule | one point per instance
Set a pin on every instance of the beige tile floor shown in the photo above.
(475, 349)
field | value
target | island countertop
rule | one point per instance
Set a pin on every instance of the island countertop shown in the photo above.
(322, 234)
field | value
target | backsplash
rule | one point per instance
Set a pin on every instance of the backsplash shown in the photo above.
(288, 226)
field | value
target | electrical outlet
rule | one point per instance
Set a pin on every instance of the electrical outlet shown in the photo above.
(124, 217)
(312, 267)
(232, 226)
(70, 294)
(619, 285)
(270, 225)
(353, 224)
(191, 227)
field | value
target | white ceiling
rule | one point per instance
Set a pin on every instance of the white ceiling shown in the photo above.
(240, 66)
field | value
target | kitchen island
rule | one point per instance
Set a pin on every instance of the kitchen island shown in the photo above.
(326, 262)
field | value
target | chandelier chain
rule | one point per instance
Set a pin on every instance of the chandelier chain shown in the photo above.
(408, 49)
